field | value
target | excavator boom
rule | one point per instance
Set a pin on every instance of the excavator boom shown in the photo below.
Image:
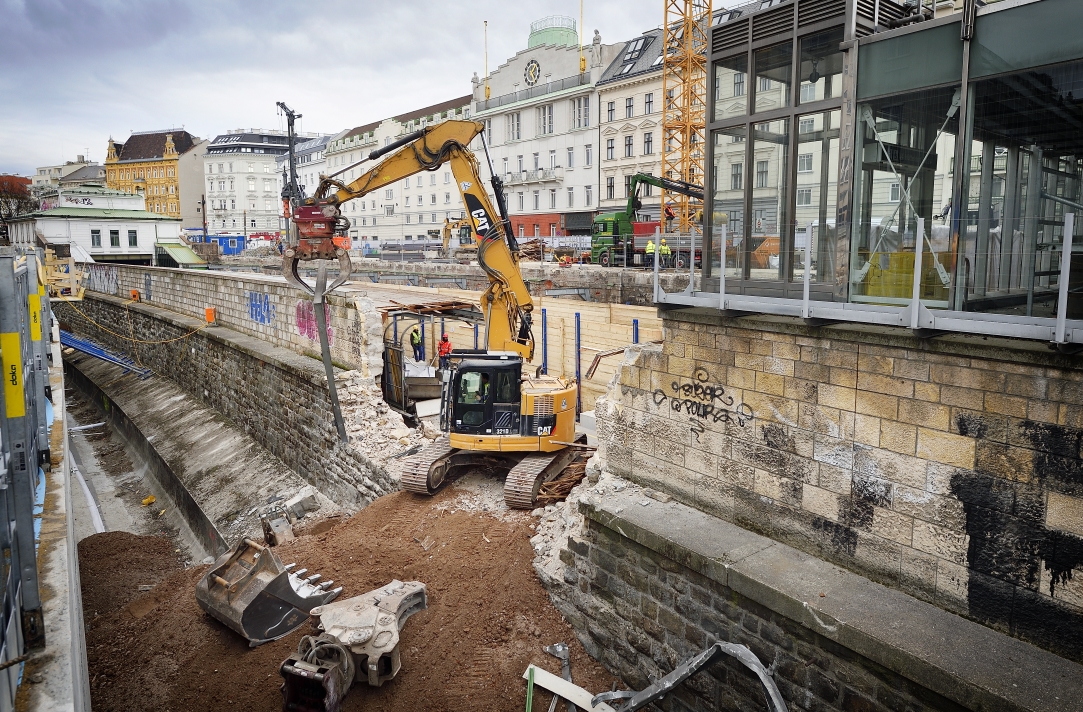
(506, 304)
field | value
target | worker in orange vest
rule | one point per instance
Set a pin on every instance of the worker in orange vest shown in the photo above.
(444, 349)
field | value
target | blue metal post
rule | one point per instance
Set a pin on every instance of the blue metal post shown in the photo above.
(635, 331)
(395, 328)
(545, 344)
(579, 389)
(421, 321)
(442, 331)
(475, 337)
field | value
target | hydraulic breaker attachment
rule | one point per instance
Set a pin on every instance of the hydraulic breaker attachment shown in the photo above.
(361, 637)
(249, 590)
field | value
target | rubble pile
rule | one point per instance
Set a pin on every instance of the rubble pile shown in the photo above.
(373, 429)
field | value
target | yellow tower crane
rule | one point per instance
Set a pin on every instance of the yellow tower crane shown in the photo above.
(684, 88)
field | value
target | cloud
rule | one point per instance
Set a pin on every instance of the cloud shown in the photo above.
(75, 72)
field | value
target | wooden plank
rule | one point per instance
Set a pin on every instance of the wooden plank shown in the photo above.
(562, 688)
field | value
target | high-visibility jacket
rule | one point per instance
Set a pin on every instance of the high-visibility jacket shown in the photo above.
(445, 347)
(415, 338)
(650, 247)
(664, 250)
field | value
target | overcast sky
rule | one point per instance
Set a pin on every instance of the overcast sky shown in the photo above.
(75, 72)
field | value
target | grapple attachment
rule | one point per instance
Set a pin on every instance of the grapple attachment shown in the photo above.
(361, 637)
(249, 590)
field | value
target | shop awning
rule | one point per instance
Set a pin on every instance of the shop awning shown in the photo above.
(184, 256)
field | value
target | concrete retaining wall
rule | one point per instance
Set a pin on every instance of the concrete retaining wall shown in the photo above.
(275, 395)
(261, 306)
(949, 469)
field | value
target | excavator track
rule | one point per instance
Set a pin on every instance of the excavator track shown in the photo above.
(526, 478)
(425, 472)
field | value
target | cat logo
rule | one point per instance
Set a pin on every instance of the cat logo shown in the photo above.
(478, 212)
(564, 404)
(465, 185)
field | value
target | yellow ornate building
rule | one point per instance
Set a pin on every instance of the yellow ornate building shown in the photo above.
(147, 163)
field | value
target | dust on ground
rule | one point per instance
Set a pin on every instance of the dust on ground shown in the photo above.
(488, 615)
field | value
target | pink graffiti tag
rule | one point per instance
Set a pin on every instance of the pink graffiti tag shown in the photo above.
(306, 323)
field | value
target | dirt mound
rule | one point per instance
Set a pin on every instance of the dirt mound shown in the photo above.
(118, 567)
(488, 617)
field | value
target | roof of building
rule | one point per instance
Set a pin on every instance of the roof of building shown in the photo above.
(92, 189)
(92, 172)
(104, 213)
(640, 55)
(360, 130)
(147, 146)
(436, 108)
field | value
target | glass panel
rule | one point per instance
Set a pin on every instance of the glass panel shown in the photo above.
(770, 225)
(916, 59)
(731, 87)
(773, 76)
(1026, 149)
(816, 193)
(820, 73)
(1025, 37)
(904, 155)
(728, 201)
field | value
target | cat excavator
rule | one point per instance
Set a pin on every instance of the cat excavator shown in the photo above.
(495, 412)
(465, 244)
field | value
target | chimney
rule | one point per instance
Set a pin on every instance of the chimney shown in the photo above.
(79, 159)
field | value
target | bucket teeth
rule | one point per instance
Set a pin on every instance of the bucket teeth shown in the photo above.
(300, 572)
(311, 580)
(288, 567)
(324, 585)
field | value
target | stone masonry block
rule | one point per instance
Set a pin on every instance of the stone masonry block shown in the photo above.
(1014, 406)
(946, 448)
(929, 415)
(898, 437)
(877, 404)
(888, 385)
(820, 502)
(968, 377)
(845, 377)
(962, 397)
(1065, 513)
(869, 363)
(837, 397)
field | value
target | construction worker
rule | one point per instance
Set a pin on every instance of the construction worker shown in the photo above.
(415, 341)
(664, 253)
(650, 252)
(444, 349)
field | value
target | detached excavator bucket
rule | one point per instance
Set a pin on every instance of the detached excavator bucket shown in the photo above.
(249, 590)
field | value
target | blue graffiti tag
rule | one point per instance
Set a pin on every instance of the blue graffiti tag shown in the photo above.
(260, 309)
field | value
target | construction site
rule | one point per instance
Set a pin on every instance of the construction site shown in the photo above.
(808, 441)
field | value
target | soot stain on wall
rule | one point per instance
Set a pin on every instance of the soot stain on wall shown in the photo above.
(1010, 542)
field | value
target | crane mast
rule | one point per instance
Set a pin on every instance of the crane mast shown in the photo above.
(684, 91)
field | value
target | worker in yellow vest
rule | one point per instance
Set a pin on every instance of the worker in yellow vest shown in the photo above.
(664, 253)
(650, 252)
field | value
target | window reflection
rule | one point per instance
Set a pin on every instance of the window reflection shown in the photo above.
(730, 87)
(728, 202)
(905, 148)
(820, 73)
(773, 76)
(770, 223)
(816, 193)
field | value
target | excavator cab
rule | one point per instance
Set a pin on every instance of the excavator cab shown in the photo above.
(486, 397)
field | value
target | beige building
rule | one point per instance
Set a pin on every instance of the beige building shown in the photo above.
(630, 95)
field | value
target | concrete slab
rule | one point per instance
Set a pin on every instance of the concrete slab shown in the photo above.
(964, 661)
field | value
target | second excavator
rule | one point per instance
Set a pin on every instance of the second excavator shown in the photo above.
(496, 411)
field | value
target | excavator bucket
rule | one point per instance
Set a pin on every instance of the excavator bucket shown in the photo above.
(249, 590)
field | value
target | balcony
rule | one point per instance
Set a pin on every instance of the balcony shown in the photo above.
(541, 89)
(539, 176)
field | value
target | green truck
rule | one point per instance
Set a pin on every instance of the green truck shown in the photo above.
(617, 239)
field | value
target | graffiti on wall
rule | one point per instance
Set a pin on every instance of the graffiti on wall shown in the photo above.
(147, 283)
(704, 402)
(260, 308)
(102, 278)
(306, 322)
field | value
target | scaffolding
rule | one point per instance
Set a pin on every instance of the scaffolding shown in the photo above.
(684, 121)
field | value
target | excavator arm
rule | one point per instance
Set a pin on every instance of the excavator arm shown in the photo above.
(506, 304)
(673, 186)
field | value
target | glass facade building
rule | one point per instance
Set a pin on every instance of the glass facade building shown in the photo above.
(867, 167)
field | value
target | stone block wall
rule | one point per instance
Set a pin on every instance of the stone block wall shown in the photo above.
(278, 397)
(949, 469)
(642, 613)
(258, 305)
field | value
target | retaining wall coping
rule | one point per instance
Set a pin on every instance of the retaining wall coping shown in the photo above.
(964, 661)
(303, 366)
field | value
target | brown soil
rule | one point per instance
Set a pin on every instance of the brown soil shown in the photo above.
(488, 618)
(118, 567)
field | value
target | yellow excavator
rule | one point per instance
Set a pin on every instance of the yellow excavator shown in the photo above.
(464, 229)
(494, 410)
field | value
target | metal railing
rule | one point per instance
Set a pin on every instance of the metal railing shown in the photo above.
(24, 447)
(540, 89)
(535, 176)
